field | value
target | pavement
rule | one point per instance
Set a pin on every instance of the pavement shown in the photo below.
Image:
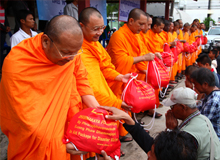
(131, 149)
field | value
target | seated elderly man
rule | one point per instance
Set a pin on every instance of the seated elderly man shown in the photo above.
(204, 82)
(156, 148)
(183, 104)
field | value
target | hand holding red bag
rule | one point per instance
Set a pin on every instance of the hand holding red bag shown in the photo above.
(204, 40)
(157, 74)
(89, 131)
(185, 47)
(138, 94)
(179, 47)
(167, 56)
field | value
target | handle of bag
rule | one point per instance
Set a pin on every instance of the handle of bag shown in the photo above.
(151, 122)
(124, 91)
(159, 80)
(81, 156)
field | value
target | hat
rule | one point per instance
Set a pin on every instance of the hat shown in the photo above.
(182, 95)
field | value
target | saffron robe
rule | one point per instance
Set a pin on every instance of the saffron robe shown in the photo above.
(180, 56)
(38, 99)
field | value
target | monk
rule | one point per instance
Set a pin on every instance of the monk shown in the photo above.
(98, 63)
(181, 39)
(44, 83)
(192, 39)
(142, 66)
(187, 56)
(198, 33)
(124, 47)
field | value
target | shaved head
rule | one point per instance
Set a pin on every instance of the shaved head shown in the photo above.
(60, 24)
(186, 24)
(176, 23)
(86, 13)
(136, 13)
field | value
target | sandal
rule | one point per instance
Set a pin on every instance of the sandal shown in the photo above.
(122, 153)
(123, 139)
(157, 115)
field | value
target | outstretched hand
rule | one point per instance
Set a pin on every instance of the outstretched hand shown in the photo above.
(117, 114)
(126, 77)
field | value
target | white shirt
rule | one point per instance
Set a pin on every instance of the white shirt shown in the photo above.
(19, 36)
(71, 10)
(214, 65)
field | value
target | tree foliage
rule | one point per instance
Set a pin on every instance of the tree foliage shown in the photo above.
(112, 7)
(206, 22)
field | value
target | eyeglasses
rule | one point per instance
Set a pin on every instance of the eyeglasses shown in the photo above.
(97, 29)
(66, 56)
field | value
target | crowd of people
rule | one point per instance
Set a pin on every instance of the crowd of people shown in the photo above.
(49, 77)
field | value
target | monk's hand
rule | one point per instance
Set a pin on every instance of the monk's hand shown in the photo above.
(117, 114)
(171, 121)
(126, 77)
(158, 55)
(149, 57)
(71, 150)
(104, 156)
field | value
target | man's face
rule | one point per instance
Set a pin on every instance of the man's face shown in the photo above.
(58, 52)
(188, 82)
(211, 55)
(202, 65)
(147, 25)
(176, 28)
(180, 24)
(186, 29)
(198, 86)
(138, 25)
(94, 29)
(29, 22)
(171, 27)
(203, 26)
(158, 29)
(193, 29)
(151, 154)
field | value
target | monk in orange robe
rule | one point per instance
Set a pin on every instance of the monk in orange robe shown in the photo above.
(124, 47)
(181, 39)
(98, 62)
(156, 42)
(142, 66)
(186, 38)
(192, 39)
(42, 87)
(198, 33)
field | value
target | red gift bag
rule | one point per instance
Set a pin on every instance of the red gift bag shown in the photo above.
(89, 131)
(174, 50)
(185, 47)
(179, 47)
(199, 41)
(157, 74)
(167, 56)
(204, 40)
(139, 94)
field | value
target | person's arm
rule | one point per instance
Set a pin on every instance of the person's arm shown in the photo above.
(143, 139)
(146, 57)
(123, 78)
(90, 101)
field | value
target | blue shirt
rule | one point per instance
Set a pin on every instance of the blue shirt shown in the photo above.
(210, 107)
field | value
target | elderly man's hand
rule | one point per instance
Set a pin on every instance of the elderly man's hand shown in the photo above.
(118, 114)
(71, 150)
(105, 156)
(171, 121)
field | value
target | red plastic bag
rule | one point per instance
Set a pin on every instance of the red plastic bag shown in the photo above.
(139, 94)
(157, 74)
(174, 50)
(167, 56)
(185, 47)
(179, 47)
(204, 40)
(89, 131)
(199, 41)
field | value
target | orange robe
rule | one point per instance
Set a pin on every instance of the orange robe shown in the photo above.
(173, 71)
(188, 60)
(181, 62)
(122, 47)
(155, 43)
(99, 67)
(142, 65)
(191, 40)
(38, 98)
